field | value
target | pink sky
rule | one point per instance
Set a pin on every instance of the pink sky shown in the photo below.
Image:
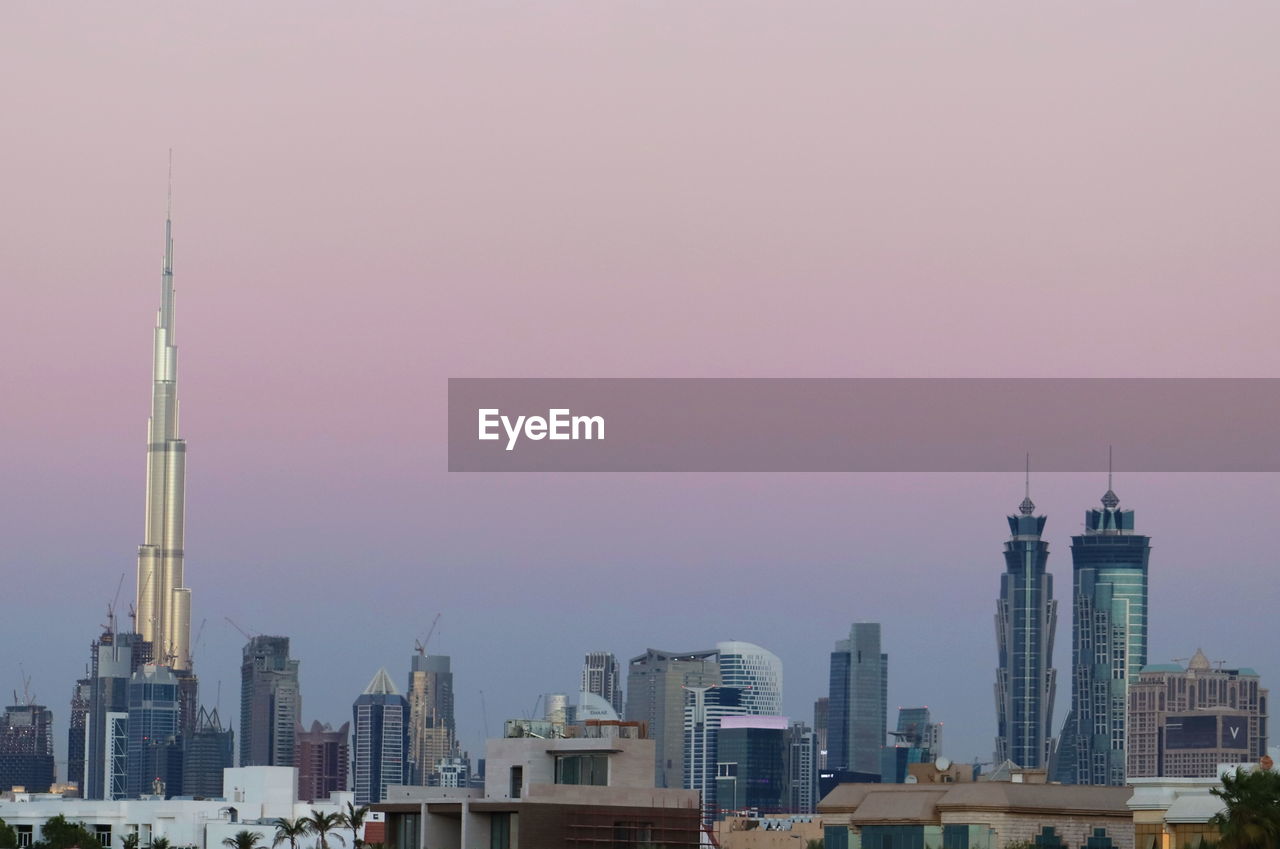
(370, 201)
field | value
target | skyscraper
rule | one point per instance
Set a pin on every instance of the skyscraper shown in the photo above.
(1183, 722)
(381, 731)
(154, 765)
(1026, 618)
(821, 709)
(656, 682)
(431, 726)
(26, 748)
(857, 718)
(705, 709)
(602, 676)
(77, 734)
(164, 601)
(1109, 643)
(752, 754)
(322, 759)
(270, 702)
(114, 659)
(756, 671)
(207, 750)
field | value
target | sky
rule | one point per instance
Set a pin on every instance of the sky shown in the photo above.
(370, 200)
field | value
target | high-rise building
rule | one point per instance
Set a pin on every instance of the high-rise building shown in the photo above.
(705, 709)
(322, 760)
(821, 709)
(1026, 619)
(114, 658)
(164, 601)
(432, 733)
(756, 671)
(381, 732)
(77, 735)
(1183, 722)
(802, 769)
(207, 750)
(751, 771)
(1109, 643)
(917, 740)
(656, 682)
(270, 703)
(26, 748)
(602, 676)
(154, 755)
(857, 716)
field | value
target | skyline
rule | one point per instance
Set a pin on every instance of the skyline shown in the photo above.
(324, 307)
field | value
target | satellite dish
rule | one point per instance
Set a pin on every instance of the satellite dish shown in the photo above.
(942, 764)
(910, 779)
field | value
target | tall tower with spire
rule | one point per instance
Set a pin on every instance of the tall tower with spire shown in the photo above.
(1108, 643)
(164, 601)
(1026, 619)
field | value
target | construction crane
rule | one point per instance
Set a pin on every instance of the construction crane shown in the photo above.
(191, 655)
(420, 646)
(484, 715)
(26, 688)
(233, 624)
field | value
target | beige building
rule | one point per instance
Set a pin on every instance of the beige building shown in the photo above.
(1184, 721)
(793, 832)
(975, 815)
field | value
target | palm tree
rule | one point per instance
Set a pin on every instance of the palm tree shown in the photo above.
(243, 840)
(353, 819)
(130, 841)
(1252, 816)
(160, 843)
(321, 824)
(289, 830)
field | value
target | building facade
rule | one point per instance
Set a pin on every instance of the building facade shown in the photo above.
(1109, 644)
(270, 703)
(207, 750)
(754, 670)
(602, 676)
(857, 711)
(1185, 721)
(751, 765)
(26, 748)
(432, 733)
(114, 659)
(656, 682)
(154, 758)
(380, 731)
(1026, 620)
(323, 759)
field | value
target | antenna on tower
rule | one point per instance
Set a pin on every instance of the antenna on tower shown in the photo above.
(1109, 468)
(1028, 493)
(168, 207)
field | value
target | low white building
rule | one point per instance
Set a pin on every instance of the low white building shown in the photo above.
(253, 798)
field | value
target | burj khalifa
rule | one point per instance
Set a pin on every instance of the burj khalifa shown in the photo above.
(164, 601)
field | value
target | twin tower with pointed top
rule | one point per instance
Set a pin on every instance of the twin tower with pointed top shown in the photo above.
(1109, 645)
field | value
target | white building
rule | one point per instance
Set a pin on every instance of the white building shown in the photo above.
(253, 797)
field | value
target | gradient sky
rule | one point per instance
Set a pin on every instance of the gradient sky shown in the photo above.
(371, 200)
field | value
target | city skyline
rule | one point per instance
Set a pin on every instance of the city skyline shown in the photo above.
(333, 276)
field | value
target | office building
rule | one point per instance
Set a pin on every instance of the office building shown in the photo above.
(602, 676)
(1109, 644)
(705, 709)
(802, 769)
(754, 670)
(751, 765)
(26, 748)
(270, 703)
(432, 733)
(380, 729)
(917, 740)
(114, 658)
(656, 682)
(1185, 721)
(323, 759)
(857, 716)
(821, 709)
(77, 735)
(1026, 620)
(154, 755)
(207, 750)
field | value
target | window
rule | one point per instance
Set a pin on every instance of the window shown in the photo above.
(517, 782)
(103, 833)
(582, 769)
(24, 836)
(500, 828)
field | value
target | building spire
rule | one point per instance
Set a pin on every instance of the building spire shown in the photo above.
(1027, 507)
(1110, 500)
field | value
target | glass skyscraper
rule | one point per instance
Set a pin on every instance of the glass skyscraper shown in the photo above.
(1026, 618)
(1109, 643)
(857, 717)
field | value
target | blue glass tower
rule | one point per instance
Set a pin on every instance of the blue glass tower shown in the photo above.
(1109, 643)
(1026, 618)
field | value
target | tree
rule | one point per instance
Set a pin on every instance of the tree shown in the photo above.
(8, 836)
(159, 843)
(353, 819)
(131, 840)
(321, 824)
(1252, 816)
(290, 831)
(243, 840)
(58, 833)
